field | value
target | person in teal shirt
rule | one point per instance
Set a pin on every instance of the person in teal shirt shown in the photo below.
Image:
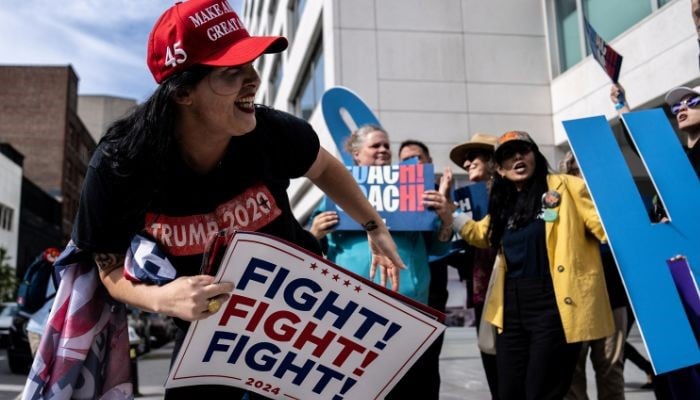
(369, 145)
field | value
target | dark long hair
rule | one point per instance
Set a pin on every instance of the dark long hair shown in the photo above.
(137, 148)
(505, 205)
(142, 140)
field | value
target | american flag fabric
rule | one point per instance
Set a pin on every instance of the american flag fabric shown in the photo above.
(146, 262)
(84, 351)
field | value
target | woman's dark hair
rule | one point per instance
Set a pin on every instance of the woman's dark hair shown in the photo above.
(507, 208)
(144, 138)
(138, 147)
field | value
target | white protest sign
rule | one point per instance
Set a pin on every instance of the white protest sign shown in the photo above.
(300, 327)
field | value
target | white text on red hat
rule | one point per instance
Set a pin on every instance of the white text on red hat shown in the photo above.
(222, 28)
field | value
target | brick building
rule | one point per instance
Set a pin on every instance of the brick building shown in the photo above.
(38, 116)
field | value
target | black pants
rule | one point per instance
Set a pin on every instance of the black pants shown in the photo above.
(534, 361)
(422, 381)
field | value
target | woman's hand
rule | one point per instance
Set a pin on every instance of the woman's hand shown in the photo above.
(446, 182)
(617, 96)
(323, 223)
(385, 256)
(436, 201)
(188, 297)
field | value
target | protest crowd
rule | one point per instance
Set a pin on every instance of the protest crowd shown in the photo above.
(543, 282)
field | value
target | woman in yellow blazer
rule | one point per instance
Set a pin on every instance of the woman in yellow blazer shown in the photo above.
(550, 292)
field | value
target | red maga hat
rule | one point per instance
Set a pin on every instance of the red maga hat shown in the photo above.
(206, 32)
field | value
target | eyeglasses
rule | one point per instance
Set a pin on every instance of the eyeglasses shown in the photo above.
(227, 81)
(689, 103)
(472, 155)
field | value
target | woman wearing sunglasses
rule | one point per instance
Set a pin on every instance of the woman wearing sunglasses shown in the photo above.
(476, 157)
(684, 104)
(199, 156)
(550, 295)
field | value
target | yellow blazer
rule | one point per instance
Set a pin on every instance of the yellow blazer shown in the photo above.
(573, 249)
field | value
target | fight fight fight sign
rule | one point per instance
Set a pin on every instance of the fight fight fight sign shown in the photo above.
(299, 327)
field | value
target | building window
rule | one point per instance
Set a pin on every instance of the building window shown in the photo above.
(296, 9)
(275, 79)
(312, 85)
(271, 10)
(260, 63)
(6, 214)
(568, 33)
(608, 18)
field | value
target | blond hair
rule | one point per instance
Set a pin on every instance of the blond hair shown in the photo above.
(359, 135)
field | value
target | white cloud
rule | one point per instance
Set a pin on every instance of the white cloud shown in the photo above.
(104, 40)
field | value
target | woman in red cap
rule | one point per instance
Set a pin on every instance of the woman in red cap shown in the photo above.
(549, 294)
(199, 156)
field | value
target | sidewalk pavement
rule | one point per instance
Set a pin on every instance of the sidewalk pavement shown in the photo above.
(460, 368)
(463, 377)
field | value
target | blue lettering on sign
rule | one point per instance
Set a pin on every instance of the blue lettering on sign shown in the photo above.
(641, 248)
(260, 356)
(328, 306)
(300, 371)
(306, 301)
(214, 344)
(301, 294)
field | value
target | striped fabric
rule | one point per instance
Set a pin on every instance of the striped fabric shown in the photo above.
(84, 351)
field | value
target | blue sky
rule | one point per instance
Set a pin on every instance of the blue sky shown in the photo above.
(104, 40)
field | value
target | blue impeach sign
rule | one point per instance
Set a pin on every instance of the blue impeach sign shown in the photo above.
(641, 248)
(473, 199)
(396, 192)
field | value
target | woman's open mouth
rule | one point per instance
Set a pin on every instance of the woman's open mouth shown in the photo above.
(246, 104)
(519, 167)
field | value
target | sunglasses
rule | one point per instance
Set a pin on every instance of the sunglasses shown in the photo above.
(510, 150)
(472, 155)
(689, 103)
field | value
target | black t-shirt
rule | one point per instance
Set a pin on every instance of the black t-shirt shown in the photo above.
(246, 191)
(525, 249)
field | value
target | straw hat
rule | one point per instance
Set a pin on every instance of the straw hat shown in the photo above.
(480, 141)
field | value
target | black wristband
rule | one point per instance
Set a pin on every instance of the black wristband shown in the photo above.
(370, 225)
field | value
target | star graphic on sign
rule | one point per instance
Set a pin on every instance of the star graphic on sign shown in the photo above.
(313, 266)
(336, 277)
(324, 271)
(358, 288)
(346, 283)
(263, 202)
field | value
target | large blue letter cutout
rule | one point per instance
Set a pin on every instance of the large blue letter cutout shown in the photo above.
(333, 101)
(641, 248)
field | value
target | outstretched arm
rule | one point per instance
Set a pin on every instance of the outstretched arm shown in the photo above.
(334, 179)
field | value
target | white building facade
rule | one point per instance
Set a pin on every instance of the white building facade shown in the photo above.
(10, 197)
(444, 70)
